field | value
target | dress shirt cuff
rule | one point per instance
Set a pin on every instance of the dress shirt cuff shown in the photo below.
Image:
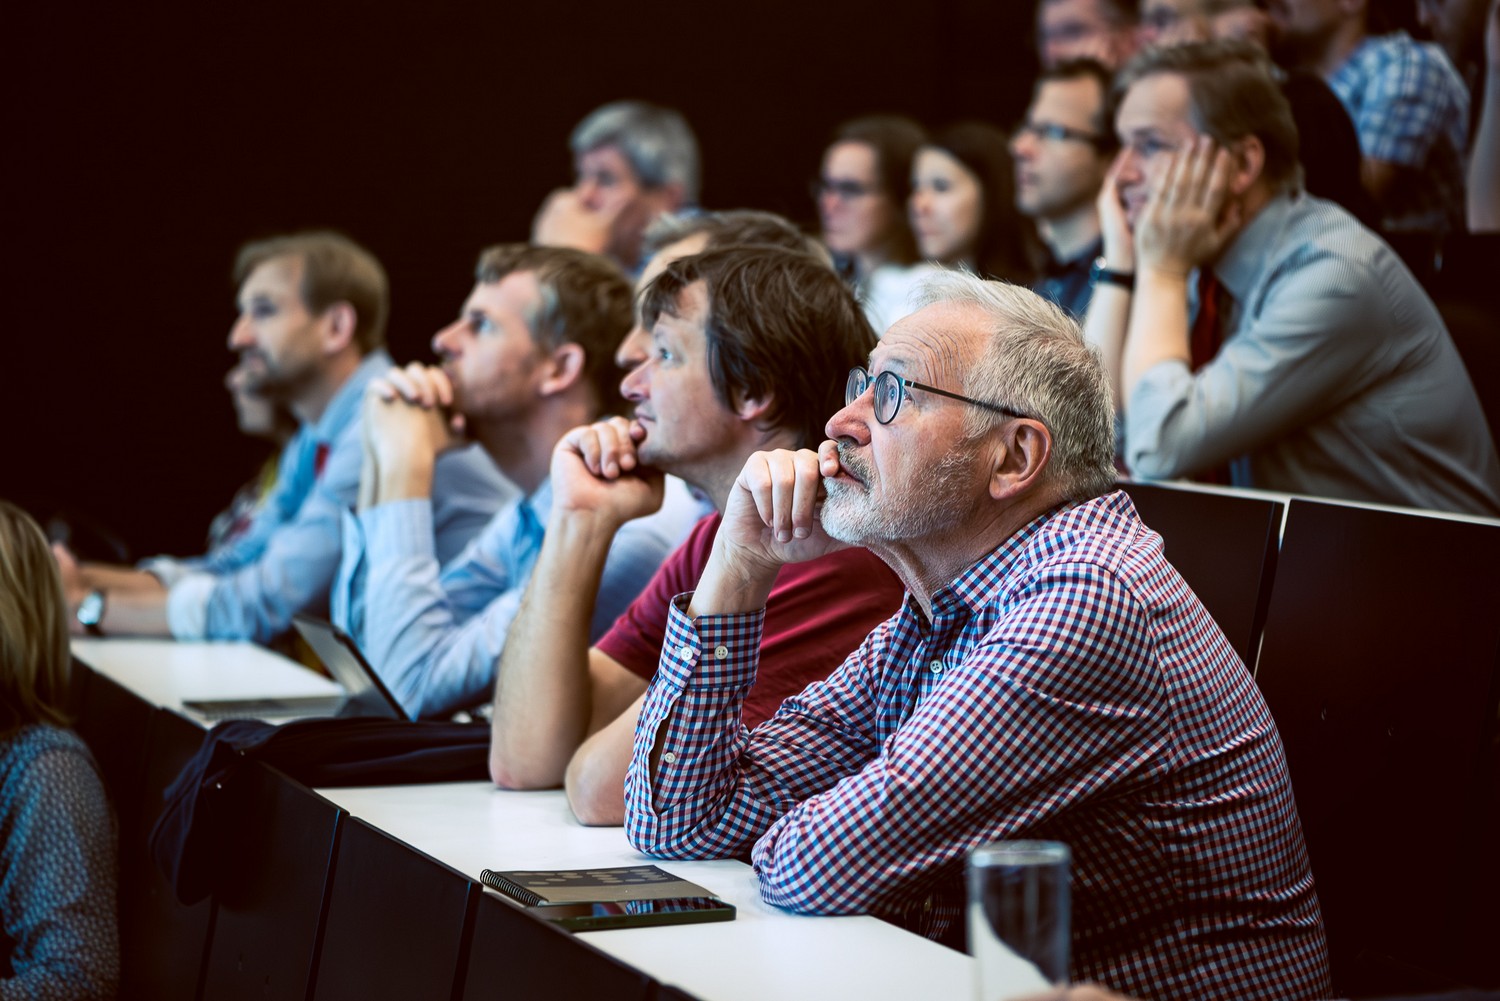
(187, 606)
(403, 526)
(165, 569)
(711, 651)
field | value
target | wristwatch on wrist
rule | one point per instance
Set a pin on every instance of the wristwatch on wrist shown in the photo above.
(91, 612)
(1100, 272)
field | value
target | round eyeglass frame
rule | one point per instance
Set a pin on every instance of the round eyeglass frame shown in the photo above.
(890, 387)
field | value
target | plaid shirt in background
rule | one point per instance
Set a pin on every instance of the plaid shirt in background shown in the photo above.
(1411, 108)
(1070, 687)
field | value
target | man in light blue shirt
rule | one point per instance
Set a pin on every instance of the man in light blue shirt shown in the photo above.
(1267, 339)
(310, 335)
(529, 359)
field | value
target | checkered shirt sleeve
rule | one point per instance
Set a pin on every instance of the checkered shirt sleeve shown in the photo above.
(1402, 98)
(913, 781)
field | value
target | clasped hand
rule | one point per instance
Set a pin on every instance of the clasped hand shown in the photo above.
(407, 415)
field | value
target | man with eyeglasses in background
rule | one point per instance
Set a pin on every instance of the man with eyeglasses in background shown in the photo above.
(1258, 333)
(1062, 153)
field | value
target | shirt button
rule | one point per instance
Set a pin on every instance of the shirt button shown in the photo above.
(721, 651)
(936, 667)
(668, 758)
(686, 654)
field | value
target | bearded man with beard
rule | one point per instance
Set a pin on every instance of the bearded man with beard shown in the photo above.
(1049, 675)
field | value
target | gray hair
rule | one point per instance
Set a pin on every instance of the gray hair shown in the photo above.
(730, 228)
(657, 141)
(1036, 361)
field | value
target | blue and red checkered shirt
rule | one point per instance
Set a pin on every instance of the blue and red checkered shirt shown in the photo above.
(1411, 108)
(1069, 686)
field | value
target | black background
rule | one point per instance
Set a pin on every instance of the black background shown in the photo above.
(145, 143)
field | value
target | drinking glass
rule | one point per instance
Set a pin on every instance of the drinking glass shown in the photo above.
(1018, 907)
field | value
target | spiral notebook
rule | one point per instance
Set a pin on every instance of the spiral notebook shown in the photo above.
(568, 886)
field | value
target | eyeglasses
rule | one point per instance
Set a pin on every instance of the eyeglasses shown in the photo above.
(842, 190)
(890, 388)
(1054, 132)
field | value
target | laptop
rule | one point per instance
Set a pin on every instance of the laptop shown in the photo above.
(364, 693)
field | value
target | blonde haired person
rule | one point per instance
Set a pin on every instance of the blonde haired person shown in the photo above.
(58, 935)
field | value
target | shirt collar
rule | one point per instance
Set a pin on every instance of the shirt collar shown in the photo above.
(976, 586)
(344, 406)
(1081, 261)
(539, 502)
(1243, 259)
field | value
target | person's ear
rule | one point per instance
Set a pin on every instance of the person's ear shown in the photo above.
(1249, 162)
(339, 321)
(1021, 450)
(752, 408)
(564, 369)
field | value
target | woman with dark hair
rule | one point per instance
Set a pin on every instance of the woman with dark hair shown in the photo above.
(58, 936)
(962, 204)
(861, 195)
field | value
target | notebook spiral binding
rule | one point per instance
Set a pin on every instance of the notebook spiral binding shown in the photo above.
(509, 887)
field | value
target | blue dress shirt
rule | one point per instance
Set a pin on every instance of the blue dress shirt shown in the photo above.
(434, 632)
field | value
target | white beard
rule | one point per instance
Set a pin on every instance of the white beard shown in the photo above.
(852, 514)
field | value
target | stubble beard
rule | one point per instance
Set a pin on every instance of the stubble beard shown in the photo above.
(852, 514)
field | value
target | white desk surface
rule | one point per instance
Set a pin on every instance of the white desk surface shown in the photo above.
(765, 952)
(165, 672)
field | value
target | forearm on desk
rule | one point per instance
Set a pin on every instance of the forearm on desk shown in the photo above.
(135, 613)
(595, 780)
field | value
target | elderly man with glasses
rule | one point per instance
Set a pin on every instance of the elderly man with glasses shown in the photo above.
(1048, 675)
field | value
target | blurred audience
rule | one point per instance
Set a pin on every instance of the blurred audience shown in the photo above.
(1172, 22)
(862, 194)
(1409, 107)
(1062, 153)
(1102, 30)
(310, 336)
(257, 417)
(634, 161)
(962, 203)
(1266, 329)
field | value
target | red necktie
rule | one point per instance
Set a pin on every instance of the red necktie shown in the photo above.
(1203, 343)
(1206, 336)
(320, 459)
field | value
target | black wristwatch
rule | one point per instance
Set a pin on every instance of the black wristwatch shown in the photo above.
(1100, 272)
(91, 612)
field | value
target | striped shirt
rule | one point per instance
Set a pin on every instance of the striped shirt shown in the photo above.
(1069, 686)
